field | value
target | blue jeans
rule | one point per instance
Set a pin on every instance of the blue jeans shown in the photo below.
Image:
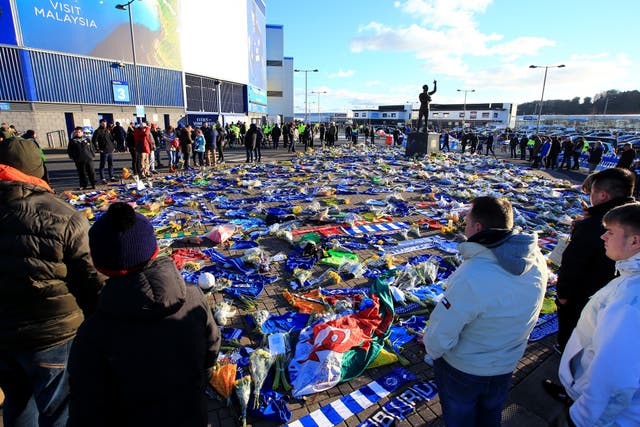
(173, 157)
(36, 387)
(470, 400)
(108, 158)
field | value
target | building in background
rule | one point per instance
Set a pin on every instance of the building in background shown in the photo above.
(65, 65)
(441, 116)
(71, 64)
(384, 115)
(224, 60)
(340, 118)
(279, 77)
(495, 114)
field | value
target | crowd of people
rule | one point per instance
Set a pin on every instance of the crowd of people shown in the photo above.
(82, 307)
(90, 319)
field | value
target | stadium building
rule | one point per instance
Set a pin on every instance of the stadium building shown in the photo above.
(66, 64)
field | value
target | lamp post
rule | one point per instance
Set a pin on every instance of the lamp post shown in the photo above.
(464, 106)
(318, 93)
(544, 83)
(127, 6)
(306, 74)
(218, 90)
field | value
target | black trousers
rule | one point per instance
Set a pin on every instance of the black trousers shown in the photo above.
(86, 173)
(568, 315)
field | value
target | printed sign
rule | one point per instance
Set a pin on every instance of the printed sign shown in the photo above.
(8, 33)
(120, 91)
(97, 28)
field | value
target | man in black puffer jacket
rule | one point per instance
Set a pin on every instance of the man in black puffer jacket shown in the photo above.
(143, 358)
(48, 281)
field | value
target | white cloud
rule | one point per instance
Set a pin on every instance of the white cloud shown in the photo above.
(443, 13)
(578, 57)
(511, 82)
(518, 83)
(447, 35)
(342, 74)
(373, 83)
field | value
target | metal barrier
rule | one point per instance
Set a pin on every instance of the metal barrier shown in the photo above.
(57, 139)
(607, 162)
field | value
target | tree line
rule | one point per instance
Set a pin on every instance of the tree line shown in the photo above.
(608, 102)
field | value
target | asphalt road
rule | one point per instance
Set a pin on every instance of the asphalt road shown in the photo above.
(63, 175)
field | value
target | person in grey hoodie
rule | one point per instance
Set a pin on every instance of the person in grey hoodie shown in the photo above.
(479, 329)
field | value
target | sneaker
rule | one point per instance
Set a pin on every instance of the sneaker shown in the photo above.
(113, 179)
(104, 181)
(93, 187)
(82, 188)
(556, 391)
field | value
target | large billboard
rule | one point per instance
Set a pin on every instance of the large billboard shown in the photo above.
(97, 28)
(257, 39)
(7, 31)
(215, 40)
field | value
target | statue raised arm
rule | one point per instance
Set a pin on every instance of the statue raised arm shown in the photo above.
(425, 99)
(435, 87)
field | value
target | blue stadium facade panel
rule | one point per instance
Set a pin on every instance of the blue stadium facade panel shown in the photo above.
(36, 76)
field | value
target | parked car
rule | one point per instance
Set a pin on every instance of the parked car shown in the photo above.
(609, 147)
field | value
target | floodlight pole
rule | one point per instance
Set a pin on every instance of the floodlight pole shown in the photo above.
(544, 83)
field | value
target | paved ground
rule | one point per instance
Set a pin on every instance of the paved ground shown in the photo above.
(527, 404)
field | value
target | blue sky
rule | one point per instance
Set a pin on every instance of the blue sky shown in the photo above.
(380, 52)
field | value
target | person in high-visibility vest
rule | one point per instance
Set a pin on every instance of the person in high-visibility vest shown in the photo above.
(531, 143)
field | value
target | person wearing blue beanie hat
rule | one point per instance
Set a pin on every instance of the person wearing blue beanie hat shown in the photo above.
(122, 241)
(145, 355)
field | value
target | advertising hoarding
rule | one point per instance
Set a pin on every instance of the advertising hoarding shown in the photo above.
(96, 28)
(7, 30)
(256, 26)
(213, 42)
(257, 98)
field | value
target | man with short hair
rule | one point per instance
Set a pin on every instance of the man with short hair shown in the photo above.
(477, 333)
(118, 134)
(48, 285)
(595, 156)
(627, 156)
(82, 151)
(103, 139)
(578, 147)
(600, 368)
(209, 143)
(585, 267)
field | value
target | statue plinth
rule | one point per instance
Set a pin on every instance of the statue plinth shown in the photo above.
(420, 143)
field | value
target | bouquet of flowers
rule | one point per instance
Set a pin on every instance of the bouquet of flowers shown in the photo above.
(261, 362)
(243, 390)
(278, 344)
(259, 317)
(302, 276)
(224, 379)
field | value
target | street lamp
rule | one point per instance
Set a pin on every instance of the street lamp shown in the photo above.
(544, 82)
(127, 6)
(318, 93)
(464, 106)
(218, 90)
(306, 74)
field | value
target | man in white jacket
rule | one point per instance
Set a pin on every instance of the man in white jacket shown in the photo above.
(600, 366)
(479, 330)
